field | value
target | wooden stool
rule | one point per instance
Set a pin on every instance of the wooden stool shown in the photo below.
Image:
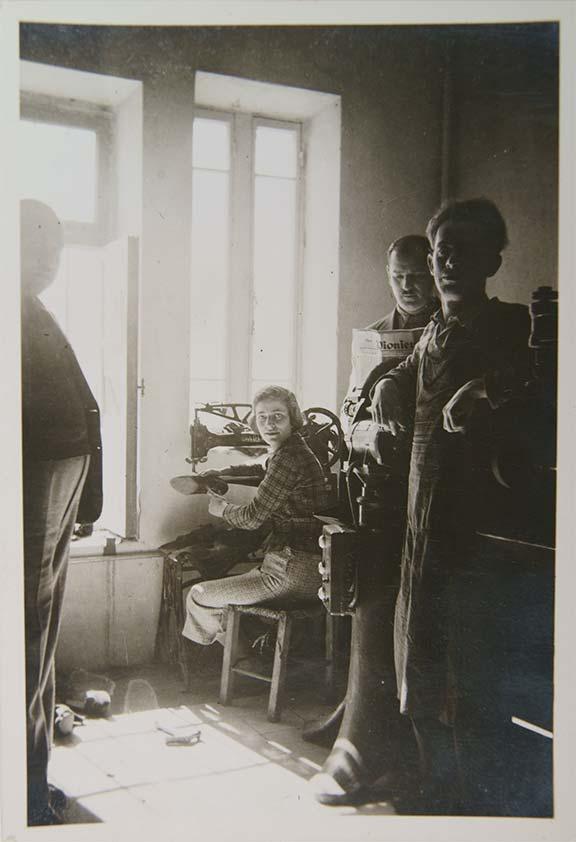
(284, 617)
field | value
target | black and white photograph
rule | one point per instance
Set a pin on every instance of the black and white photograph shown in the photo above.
(286, 549)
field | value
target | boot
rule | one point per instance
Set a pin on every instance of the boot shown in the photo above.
(373, 735)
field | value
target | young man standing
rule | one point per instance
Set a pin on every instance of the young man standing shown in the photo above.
(472, 355)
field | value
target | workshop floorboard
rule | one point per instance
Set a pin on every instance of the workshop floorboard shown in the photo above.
(246, 775)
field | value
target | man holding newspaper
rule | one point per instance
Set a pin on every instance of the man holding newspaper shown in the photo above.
(391, 338)
(371, 733)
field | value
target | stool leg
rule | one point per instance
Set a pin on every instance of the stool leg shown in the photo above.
(177, 578)
(230, 648)
(279, 672)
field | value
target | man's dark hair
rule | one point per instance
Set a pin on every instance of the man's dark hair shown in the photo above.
(482, 212)
(411, 245)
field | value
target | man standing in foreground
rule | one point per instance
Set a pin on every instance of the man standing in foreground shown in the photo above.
(60, 429)
(472, 355)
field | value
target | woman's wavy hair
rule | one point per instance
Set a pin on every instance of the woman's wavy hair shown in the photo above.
(278, 393)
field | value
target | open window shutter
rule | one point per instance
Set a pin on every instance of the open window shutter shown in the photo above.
(119, 400)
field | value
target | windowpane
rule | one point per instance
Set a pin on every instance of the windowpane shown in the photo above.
(206, 391)
(256, 385)
(274, 279)
(210, 263)
(276, 152)
(58, 166)
(211, 144)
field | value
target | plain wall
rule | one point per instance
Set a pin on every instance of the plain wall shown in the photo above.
(506, 146)
(110, 613)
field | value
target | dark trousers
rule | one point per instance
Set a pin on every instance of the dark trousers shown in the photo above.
(464, 767)
(51, 490)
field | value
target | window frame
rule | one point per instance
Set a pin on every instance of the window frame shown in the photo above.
(298, 299)
(239, 316)
(224, 117)
(99, 235)
(58, 111)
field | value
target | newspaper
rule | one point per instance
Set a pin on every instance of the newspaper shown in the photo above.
(382, 349)
(372, 347)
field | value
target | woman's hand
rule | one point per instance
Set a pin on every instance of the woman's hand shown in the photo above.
(386, 407)
(216, 504)
(459, 408)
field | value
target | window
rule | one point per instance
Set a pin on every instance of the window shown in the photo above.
(51, 150)
(67, 149)
(246, 250)
(276, 245)
(67, 154)
(211, 144)
(61, 148)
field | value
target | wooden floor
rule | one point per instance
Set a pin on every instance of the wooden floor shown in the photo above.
(245, 773)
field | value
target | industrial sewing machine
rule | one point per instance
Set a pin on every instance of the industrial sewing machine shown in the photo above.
(372, 488)
(374, 470)
(227, 426)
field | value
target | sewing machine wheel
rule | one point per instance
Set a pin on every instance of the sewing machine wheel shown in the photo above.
(323, 434)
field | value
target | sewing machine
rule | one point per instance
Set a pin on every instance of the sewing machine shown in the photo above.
(227, 426)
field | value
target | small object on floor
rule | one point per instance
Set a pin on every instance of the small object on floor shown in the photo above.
(182, 735)
(189, 740)
(324, 731)
(97, 703)
(93, 703)
(81, 690)
(64, 720)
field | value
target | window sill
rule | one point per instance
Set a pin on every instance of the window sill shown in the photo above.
(106, 545)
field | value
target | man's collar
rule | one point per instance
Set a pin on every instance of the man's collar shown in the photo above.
(428, 308)
(465, 318)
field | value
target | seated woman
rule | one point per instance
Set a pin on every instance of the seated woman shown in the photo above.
(294, 487)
